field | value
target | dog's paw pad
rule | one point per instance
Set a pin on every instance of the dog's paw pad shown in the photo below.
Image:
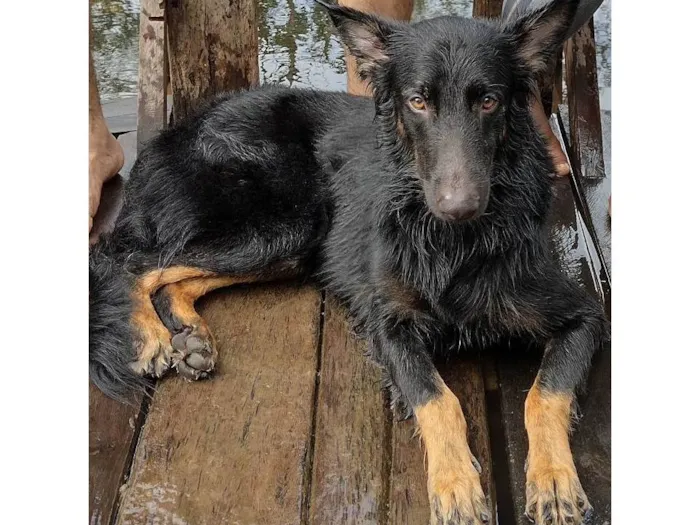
(195, 354)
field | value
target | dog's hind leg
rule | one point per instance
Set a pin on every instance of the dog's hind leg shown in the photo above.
(194, 348)
(151, 338)
(553, 491)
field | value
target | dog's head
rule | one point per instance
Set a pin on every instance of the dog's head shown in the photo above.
(446, 86)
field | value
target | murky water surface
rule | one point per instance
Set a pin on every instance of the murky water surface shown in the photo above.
(296, 45)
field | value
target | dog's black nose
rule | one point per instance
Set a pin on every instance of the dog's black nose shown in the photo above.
(458, 207)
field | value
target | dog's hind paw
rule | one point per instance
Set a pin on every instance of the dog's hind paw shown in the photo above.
(194, 353)
(154, 355)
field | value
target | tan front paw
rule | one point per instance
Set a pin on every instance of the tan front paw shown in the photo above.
(456, 497)
(555, 496)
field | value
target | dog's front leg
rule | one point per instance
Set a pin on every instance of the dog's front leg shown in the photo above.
(454, 490)
(553, 490)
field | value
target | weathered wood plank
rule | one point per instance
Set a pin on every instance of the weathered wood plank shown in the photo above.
(409, 499)
(487, 8)
(584, 105)
(234, 449)
(353, 431)
(213, 47)
(113, 429)
(153, 81)
(586, 135)
(571, 245)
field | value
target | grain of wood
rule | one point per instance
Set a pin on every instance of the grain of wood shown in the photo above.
(409, 498)
(151, 114)
(113, 428)
(353, 447)
(584, 106)
(234, 449)
(213, 47)
(487, 8)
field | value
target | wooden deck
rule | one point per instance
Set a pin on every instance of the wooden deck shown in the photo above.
(294, 428)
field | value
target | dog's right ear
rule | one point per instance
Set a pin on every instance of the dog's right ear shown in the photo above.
(366, 36)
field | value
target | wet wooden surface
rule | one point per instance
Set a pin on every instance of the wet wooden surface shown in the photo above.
(586, 136)
(113, 431)
(353, 430)
(234, 449)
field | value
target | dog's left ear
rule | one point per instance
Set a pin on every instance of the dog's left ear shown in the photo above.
(366, 36)
(541, 32)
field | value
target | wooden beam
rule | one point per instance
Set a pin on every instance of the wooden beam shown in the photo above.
(213, 47)
(584, 105)
(153, 72)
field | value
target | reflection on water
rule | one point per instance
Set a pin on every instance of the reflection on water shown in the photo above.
(296, 45)
(115, 46)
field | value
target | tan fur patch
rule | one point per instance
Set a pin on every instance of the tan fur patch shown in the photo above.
(552, 487)
(153, 338)
(453, 481)
(547, 420)
(182, 295)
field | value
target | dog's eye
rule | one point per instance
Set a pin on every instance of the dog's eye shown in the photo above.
(417, 103)
(489, 104)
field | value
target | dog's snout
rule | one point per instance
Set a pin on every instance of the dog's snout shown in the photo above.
(458, 207)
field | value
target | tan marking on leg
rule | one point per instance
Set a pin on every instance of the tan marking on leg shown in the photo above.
(153, 349)
(553, 489)
(152, 339)
(182, 295)
(454, 489)
(153, 280)
(192, 350)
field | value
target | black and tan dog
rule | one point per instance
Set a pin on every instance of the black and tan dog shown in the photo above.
(422, 210)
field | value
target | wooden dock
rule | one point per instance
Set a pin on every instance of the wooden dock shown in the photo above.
(294, 428)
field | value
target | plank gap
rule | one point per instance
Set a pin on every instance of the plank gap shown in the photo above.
(138, 427)
(387, 455)
(305, 510)
(503, 498)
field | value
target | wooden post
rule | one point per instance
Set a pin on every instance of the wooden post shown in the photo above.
(487, 8)
(212, 46)
(153, 72)
(584, 106)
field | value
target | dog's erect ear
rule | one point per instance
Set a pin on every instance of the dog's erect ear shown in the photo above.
(540, 33)
(364, 35)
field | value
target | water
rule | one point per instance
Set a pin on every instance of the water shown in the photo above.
(295, 42)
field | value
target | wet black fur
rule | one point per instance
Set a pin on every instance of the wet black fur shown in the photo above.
(328, 180)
